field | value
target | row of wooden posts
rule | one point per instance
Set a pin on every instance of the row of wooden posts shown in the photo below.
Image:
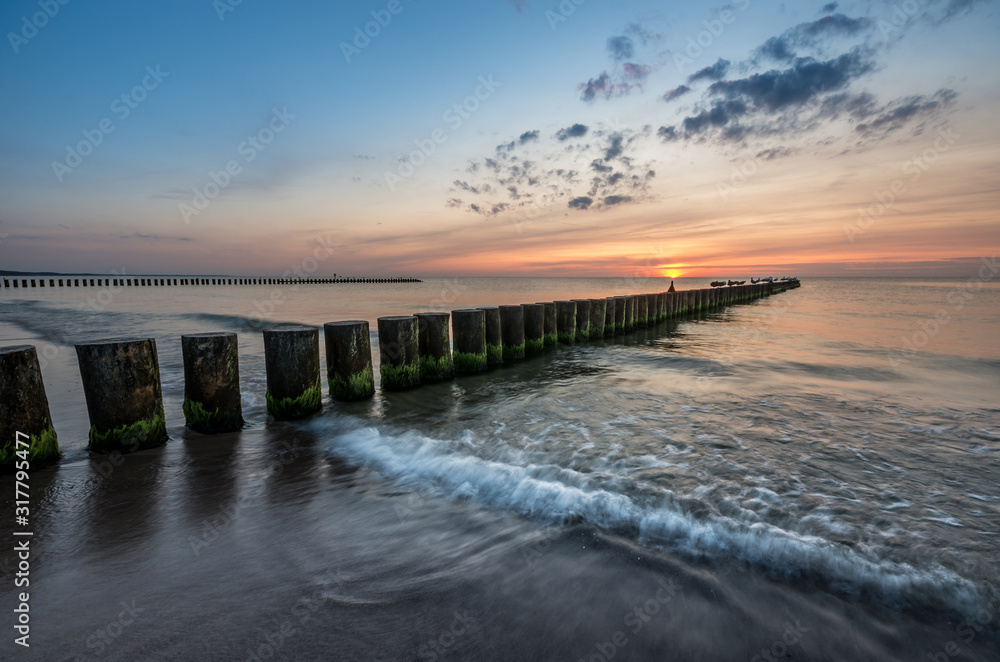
(165, 282)
(121, 378)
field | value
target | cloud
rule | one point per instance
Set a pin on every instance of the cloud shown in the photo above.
(612, 200)
(667, 133)
(774, 153)
(527, 136)
(676, 93)
(644, 35)
(621, 48)
(717, 71)
(575, 131)
(520, 6)
(812, 35)
(896, 114)
(829, 8)
(581, 202)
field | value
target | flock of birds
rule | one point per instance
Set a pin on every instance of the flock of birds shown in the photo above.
(769, 279)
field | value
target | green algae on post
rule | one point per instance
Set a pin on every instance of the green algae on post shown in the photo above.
(512, 332)
(398, 344)
(291, 360)
(467, 363)
(469, 354)
(121, 382)
(494, 354)
(534, 327)
(434, 347)
(349, 360)
(398, 377)
(494, 336)
(212, 401)
(566, 322)
(24, 409)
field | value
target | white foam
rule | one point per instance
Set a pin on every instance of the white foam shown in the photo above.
(557, 494)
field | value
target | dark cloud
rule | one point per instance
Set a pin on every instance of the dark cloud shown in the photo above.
(527, 136)
(581, 202)
(363, 156)
(643, 34)
(829, 8)
(804, 80)
(633, 71)
(614, 148)
(676, 93)
(667, 133)
(897, 114)
(453, 202)
(717, 71)
(718, 115)
(575, 131)
(616, 200)
(621, 48)
(811, 35)
(774, 153)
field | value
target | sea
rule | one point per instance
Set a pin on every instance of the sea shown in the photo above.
(811, 476)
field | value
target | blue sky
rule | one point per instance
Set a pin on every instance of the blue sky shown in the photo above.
(758, 148)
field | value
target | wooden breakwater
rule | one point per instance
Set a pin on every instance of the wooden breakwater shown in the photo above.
(121, 378)
(23, 282)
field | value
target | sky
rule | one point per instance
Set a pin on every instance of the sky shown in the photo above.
(500, 138)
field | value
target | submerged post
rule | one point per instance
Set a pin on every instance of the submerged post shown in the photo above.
(534, 328)
(291, 360)
(551, 324)
(434, 347)
(469, 328)
(512, 331)
(494, 337)
(582, 319)
(598, 310)
(566, 321)
(212, 400)
(610, 306)
(121, 382)
(349, 360)
(398, 342)
(24, 413)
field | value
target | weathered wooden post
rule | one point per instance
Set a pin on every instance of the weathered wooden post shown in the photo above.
(26, 431)
(121, 382)
(610, 304)
(494, 336)
(652, 312)
(534, 328)
(566, 321)
(434, 347)
(398, 343)
(349, 373)
(598, 311)
(291, 360)
(630, 311)
(641, 311)
(582, 319)
(512, 332)
(551, 324)
(620, 303)
(212, 401)
(469, 326)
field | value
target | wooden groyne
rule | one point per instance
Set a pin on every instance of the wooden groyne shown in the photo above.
(121, 377)
(21, 282)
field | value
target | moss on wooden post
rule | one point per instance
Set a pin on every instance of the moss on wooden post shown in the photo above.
(291, 359)
(630, 313)
(212, 401)
(399, 357)
(582, 319)
(512, 331)
(566, 321)
(534, 328)
(598, 310)
(434, 347)
(551, 324)
(494, 336)
(24, 413)
(349, 373)
(469, 326)
(610, 304)
(121, 382)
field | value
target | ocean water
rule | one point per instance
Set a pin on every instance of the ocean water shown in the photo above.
(812, 476)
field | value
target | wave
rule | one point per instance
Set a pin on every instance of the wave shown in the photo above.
(555, 494)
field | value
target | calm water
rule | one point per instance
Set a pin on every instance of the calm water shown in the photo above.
(813, 476)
